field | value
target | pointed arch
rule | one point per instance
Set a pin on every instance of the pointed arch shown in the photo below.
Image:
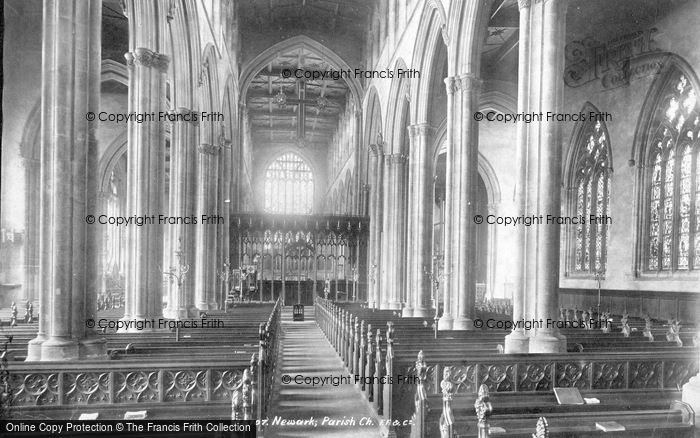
(667, 153)
(209, 92)
(398, 119)
(432, 30)
(467, 27)
(587, 175)
(253, 66)
(372, 112)
(184, 44)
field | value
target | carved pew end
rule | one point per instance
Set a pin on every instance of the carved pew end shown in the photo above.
(542, 428)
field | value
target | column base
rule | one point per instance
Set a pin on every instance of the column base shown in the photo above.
(691, 395)
(407, 312)
(93, 348)
(34, 348)
(516, 342)
(547, 341)
(462, 323)
(203, 307)
(371, 304)
(59, 349)
(141, 324)
(445, 322)
(391, 306)
(180, 312)
(423, 312)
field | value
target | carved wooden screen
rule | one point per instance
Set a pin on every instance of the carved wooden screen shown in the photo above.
(295, 258)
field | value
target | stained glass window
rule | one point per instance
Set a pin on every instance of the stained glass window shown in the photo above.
(673, 230)
(289, 186)
(592, 191)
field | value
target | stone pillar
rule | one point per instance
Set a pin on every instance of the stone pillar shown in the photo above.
(359, 199)
(386, 253)
(410, 243)
(32, 226)
(517, 341)
(68, 243)
(421, 213)
(375, 169)
(145, 163)
(224, 202)
(465, 156)
(182, 203)
(393, 240)
(446, 320)
(400, 217)
(205, 259)
(547, 26)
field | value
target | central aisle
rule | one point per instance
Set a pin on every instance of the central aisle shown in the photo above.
(305, 352)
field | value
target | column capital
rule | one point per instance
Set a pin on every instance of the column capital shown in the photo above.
(450, 85)
(209, 149)
(420, 129)
(396, 159)
(523, 4)
(147, 58)
(28, 161)
(376, 149)
(102, 196)
(193, 116)
(492, 208)
(468, 82)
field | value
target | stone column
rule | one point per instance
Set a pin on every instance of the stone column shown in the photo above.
(517, 341)
(421, 212)
(410, 243)
(465, 156)
(398, 239)
(182, 203)
(393, 239)
(68, 241)
(386, 254)
(145, 163)
(358, 206)
(446, 320)
(548, 22)
(224, 209)
(375, 168)
(205, 259)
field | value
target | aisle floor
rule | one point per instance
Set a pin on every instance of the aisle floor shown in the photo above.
(305, 353)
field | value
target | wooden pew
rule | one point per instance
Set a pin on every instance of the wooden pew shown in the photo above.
(375, 356)
(677, 420)
(164, 384)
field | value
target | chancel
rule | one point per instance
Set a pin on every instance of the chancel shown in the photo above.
(351, 218)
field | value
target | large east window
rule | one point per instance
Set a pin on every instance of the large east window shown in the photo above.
(289, 186)
(591, 188)
(673, 180)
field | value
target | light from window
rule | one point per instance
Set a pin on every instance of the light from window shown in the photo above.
(673, 233)
(289, 186)
(592, 183)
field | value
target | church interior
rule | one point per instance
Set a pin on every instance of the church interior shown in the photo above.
(353, 218)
